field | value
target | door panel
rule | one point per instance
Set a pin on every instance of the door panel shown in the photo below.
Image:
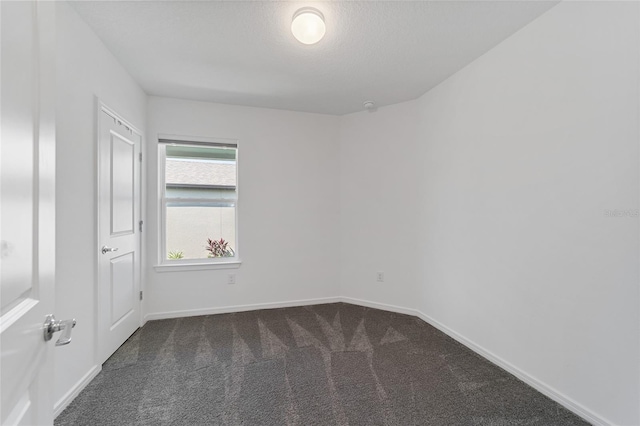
(122, 287)
(27, 211)
(22, 413)
(118, 213)
(122, 185)
(18, 118)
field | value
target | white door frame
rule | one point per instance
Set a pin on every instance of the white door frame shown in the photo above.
(99, 109)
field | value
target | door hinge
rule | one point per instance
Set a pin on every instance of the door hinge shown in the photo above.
(140, 295)
(140, 225)
(140, 156)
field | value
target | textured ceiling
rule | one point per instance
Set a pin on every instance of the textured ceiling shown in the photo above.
(244, 53)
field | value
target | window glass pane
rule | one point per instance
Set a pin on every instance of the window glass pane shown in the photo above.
(200, 196)
(189, 226)
(200, 172)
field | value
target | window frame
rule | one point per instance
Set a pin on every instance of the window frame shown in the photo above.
(164, 264)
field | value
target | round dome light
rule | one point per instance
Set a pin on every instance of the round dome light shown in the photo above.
(308, 25)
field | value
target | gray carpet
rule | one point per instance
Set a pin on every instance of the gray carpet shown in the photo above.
(334, 364)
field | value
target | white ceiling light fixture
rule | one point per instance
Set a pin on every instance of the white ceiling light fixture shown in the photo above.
(308, 25)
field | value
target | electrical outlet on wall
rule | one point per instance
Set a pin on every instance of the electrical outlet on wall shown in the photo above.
(380, 277)
(231, 279)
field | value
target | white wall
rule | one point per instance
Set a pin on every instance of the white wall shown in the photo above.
(519, 155)
(524, 151)
(378, 184)
(85, 68)
(288, 207)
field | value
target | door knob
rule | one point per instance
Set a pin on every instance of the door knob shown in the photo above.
(51, 325)
(106, 249)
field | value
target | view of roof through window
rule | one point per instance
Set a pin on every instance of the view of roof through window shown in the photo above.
(200, 166)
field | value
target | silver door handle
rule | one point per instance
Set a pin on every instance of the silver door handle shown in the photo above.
(106, 249)
(51, 325)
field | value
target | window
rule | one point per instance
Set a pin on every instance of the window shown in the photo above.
(199, 195)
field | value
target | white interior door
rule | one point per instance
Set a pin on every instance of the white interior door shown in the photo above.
(119, 147)
(27, 211)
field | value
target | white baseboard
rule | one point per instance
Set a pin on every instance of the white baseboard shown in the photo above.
(238, 308)
(538, 385)
(75, 390)
(382, 306)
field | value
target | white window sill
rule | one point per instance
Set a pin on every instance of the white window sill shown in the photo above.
(177, 267)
